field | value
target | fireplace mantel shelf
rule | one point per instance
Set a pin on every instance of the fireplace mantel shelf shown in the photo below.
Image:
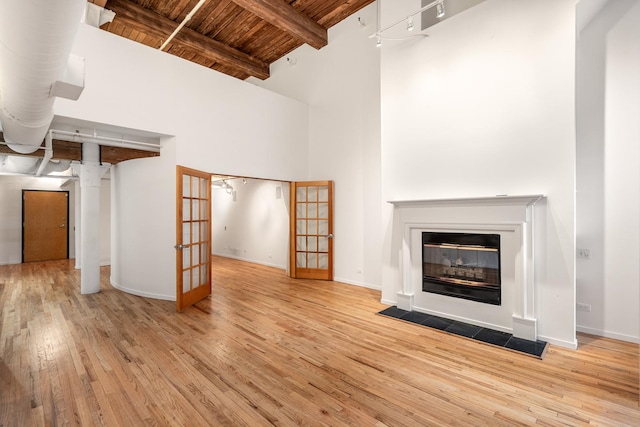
(505, 200)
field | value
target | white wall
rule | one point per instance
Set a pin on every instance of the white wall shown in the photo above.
(608, 181)
(11, 213)
(220, 124)
(485, 106)
(143, 204)
(216, 119)
(341, 85)
(255, 226)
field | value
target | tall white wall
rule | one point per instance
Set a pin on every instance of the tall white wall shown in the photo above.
(143, 203)
(341, 85)
(255, 226)
(216, 119)
(485, 106)
(608, 181)
(220, 124)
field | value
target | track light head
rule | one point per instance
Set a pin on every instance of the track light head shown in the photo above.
(410, 23)
(440, 10)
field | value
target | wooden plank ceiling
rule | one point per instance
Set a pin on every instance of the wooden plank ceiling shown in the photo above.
(240, 38)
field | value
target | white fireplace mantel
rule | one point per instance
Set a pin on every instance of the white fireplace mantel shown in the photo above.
(503, 213)
(499, 200)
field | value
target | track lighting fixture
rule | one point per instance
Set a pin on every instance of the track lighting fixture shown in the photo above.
(440, 10)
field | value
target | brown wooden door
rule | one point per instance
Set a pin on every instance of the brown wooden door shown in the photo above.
(193, 236)
(45, 223)
(312, 230)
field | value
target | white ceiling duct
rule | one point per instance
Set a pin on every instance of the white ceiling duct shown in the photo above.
(55, 166)
(35, 41)
(20, 164)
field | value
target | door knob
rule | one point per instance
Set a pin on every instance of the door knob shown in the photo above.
(61, 225)
(179, 247)
(329, 236)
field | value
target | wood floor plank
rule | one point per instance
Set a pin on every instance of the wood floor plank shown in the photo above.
(266, 350)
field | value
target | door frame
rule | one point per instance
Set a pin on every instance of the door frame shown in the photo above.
(24, 191)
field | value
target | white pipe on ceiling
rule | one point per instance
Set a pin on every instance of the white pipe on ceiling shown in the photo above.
(48, 154)
(36, 37)
(105, 140)
(182, 24)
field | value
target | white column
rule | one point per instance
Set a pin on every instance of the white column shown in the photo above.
(78, 216)
(90, 175)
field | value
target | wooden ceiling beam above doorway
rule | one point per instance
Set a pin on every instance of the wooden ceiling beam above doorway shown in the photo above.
(282, 15)
(69, 150)
(147, 22)
(115, 155)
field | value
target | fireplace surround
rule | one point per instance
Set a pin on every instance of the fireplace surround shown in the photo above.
(509, 217)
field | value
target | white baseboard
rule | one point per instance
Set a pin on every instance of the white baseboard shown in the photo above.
(572, 345)
(388, 302)
(142, 294)
(607, 334)
(251, 261)
(356, 283)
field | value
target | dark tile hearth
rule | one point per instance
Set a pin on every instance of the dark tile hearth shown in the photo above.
(489, 336)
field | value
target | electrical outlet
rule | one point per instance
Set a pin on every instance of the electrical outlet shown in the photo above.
(584, 253)
(583, 307)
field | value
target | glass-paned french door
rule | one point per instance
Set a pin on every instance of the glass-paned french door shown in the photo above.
(312, 230)
(193, 236)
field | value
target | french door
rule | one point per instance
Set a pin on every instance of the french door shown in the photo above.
(311, 230)
(193, 236)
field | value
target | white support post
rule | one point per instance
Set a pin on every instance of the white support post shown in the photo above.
(90, 175)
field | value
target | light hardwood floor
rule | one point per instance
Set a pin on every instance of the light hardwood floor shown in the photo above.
(267, 350)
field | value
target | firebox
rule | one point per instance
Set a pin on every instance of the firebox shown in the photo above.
(462, 265)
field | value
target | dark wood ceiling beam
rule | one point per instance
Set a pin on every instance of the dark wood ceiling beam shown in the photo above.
(145, 21)
(66, 150)
(115, 155)
(100, 3)
(70, 150)
(282, 15)
(62, 150)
